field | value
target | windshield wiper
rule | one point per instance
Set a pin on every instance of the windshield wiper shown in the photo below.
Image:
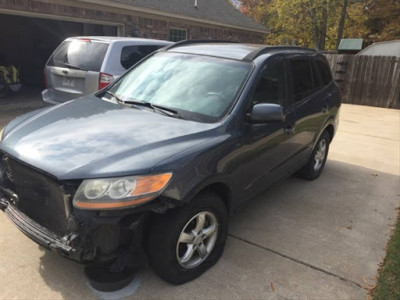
(156, 108)
(164, 110)
(74, 67)
(115, 96)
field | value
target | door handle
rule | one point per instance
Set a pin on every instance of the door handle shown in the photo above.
(325, 108)
(289, 129)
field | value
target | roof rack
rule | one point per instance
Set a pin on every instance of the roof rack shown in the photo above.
(189, 42)
(251, 56)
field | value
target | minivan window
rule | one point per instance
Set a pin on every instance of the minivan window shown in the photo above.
(130, 55)
(324, 71)
(303, 85)
(200, 88)
(80, 54)
(271, 87)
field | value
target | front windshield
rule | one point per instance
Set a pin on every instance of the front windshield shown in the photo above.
(199, 88)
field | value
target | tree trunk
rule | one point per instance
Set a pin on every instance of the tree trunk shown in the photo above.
(341, 23)
(324, 21)
(315, 26)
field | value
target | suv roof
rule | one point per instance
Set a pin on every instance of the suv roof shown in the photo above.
(247, 52)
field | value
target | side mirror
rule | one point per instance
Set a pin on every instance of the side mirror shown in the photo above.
(267, 112)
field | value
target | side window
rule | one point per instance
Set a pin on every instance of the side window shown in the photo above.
(130, 55)
(271, 88)
(324, 71)
(303, 85)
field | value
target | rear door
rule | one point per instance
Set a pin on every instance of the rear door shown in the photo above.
(73, 69)
(308, 102)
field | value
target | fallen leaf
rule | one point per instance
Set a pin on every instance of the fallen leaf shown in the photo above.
(350, 227)
(367, 286)
(272, 287)
(365, 280)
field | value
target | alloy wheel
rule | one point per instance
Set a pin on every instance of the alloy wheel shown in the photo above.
(320, 154)
(197, 239)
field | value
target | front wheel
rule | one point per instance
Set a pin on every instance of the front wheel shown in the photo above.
(317, 160)
(187, 241)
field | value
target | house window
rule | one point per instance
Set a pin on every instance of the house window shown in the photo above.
(176, 34)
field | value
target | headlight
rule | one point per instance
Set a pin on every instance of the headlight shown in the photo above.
(119, 193)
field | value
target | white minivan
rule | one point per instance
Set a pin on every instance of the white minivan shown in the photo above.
(84, 65)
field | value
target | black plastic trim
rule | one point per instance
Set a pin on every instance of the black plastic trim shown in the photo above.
(33, 230)
(266, 49)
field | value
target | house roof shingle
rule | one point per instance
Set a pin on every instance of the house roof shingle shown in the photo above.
(208, 10)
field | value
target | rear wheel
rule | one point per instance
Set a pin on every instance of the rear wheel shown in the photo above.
(317, 160)
(187, 241)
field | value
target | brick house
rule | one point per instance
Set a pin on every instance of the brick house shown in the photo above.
(40, 26)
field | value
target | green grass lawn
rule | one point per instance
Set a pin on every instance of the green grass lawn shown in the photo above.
(388, 286)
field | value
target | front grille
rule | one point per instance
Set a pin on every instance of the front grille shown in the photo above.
(40, 197)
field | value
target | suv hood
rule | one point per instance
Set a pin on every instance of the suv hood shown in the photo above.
(89, 138)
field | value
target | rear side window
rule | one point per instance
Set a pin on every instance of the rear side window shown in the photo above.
(130, 55)
(324, 71)
(79, 54)
(303, 85)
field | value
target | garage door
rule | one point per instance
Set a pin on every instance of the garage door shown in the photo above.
(27, 42)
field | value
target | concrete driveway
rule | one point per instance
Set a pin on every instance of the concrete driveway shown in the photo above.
(301, 239)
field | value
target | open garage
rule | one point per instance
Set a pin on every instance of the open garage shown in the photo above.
(32, 29)
(27, 42)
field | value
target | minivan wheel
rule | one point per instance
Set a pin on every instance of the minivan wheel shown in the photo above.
(185, 242)
(317, 160)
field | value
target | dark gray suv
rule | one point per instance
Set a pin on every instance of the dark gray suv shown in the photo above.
(152, 165)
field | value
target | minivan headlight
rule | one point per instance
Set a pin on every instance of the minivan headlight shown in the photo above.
(119, 193)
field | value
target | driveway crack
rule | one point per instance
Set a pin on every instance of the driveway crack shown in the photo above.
(297, 261)
(373, 136)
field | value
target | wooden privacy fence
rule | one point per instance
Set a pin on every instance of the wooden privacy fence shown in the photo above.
(367, 80)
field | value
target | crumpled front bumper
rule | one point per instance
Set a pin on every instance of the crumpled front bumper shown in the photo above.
(40, 234)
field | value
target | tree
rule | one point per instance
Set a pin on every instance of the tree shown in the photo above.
(341, 23)
(319, 24)
(383, 19)
(256, 9)
(312, 23)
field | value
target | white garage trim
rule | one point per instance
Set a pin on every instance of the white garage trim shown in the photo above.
(120, 26)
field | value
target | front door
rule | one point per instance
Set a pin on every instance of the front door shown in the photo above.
(267, 147)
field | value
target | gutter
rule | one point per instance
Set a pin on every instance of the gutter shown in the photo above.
(131, 7)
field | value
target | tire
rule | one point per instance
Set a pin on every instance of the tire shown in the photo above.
(167, 256)
(313, 169)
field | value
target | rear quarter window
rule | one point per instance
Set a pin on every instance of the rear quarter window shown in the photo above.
(324, 71)
(79, 54)
(130, 55)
